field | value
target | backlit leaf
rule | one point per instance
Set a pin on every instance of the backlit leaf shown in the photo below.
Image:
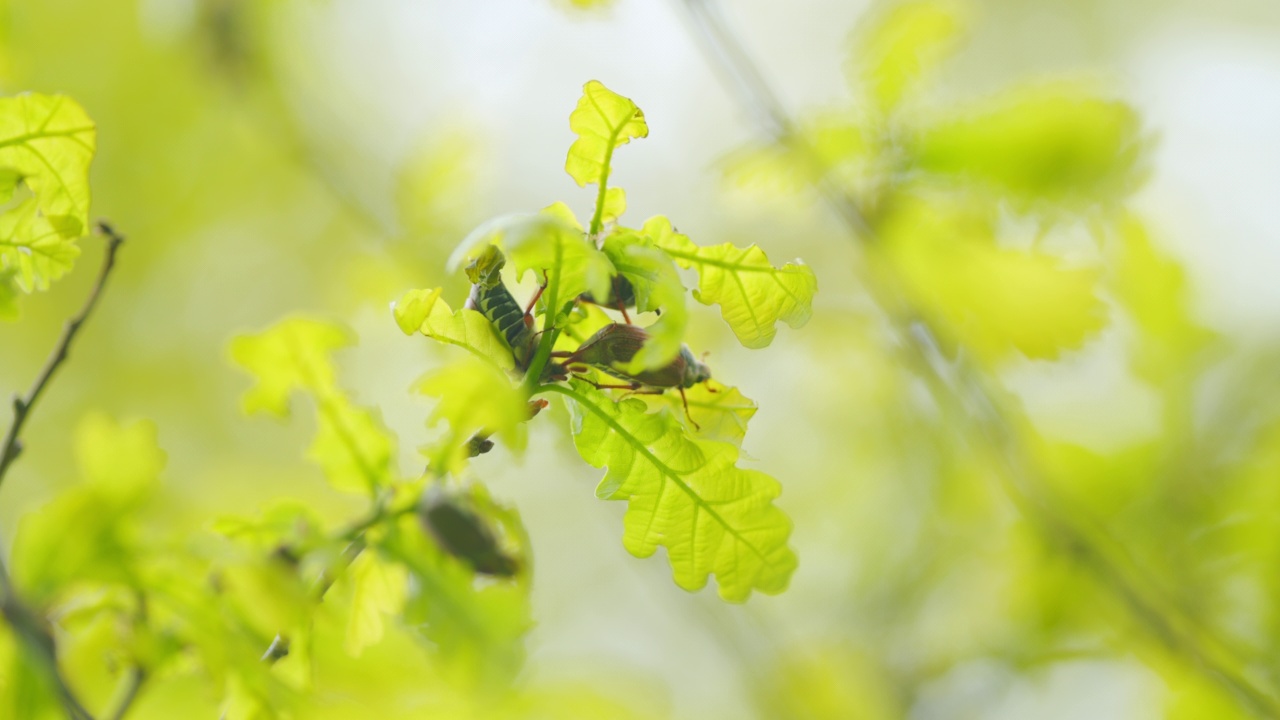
(33, 249)
(602, 121)
(49, 141)
(378, 588)
(474, 397)
(721, 412)
(687, 495)
(991, 299)
(657, 286)
(292, 355)
(352, 446)
(424, 311)
(752, 294)
(478, 631)
(901, 44)
(1057, 142)
(87, 533)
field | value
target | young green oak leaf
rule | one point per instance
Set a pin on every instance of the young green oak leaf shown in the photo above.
(426, 312)
(121, 466)
(752, 294)
(615, 204)
(688, 495)
(33, 249)
(479, 631)
(993, 300)
(292, 355)
(603, 120)
(1057, 142)
(657, 287)
(352, 446)
(721, 412)
(474, 397)
(378, 588)
(573, 264)
(49, 141)
(902, 45)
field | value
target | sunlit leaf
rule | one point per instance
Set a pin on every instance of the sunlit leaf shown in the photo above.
(32, 249)
(602, 121)
(830, 145)
(615, 204)
(424, 311)
(120, 460)
(1154, 290)
(571, 263)
(657, 287)
(474, 397)
(687, 495)
(49, 141)
(121, 464)
(352, 446)
(478, 631)
(292, 355)
(990, 299)
(752, 294)
(378, 588)
(720, 412)
(901, 44)
(1057, 142)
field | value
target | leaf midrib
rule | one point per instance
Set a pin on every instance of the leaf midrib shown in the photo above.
(664, 469)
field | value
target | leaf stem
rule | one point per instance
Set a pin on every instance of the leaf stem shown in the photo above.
(961, 386)
(22, 405)
(133, 684)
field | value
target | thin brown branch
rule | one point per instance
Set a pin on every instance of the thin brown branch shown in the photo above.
(960, 386)
(22, 405)
(36, 638)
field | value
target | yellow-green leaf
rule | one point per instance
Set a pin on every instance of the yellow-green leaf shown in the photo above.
(752, 294)
(615, 204)
(687, 495)
(901, 44)
(352, 446)
(1057, 142)
(292, 355)
(657, 287)
(49, 141)
(33, 249)
(990, 299)
(378, 588)
(1154, 290)
(474, 397)
(720, 412)
(424, 311)
(603, 120)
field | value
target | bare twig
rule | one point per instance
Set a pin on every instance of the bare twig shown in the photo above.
(964, 388)
(22, 405)
(34, 635)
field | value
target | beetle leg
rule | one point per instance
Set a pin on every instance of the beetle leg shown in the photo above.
(685, 400)
(528, 311)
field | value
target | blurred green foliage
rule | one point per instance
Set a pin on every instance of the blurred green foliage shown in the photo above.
(958, 548)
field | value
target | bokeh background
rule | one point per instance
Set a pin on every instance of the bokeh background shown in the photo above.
(320, 157)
